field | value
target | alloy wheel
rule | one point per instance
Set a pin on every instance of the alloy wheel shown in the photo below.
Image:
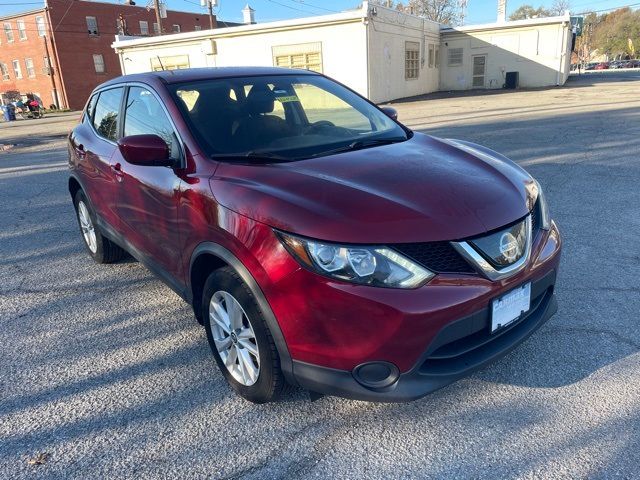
(234, 338)
(86, 225)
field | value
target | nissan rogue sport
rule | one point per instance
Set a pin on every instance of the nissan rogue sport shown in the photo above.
(319, 240)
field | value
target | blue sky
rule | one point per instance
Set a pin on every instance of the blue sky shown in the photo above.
(478, 11)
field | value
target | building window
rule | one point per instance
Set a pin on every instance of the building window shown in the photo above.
(98, 62)
(16, 68)
(40, 26)
(22, 31)
(175, 62)
(455, 57)
(432, 55)
(144, 27)
(197, 28)
(304, 55)
(8, 32)
(411, 60)
(4, 71)
(437, 56)
(156, 28)
(175, 28)
(31, 72)
(92, 26)
(46, 67)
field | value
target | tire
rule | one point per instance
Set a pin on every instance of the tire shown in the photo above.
(224, 286)
(101, 249)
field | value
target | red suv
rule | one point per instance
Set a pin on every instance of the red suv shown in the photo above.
(319, 241)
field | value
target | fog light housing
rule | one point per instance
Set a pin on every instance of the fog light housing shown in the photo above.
(376, 375)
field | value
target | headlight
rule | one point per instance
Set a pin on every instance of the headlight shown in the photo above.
(367, 265)
(543, 206)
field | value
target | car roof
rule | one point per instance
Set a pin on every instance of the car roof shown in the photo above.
(194, 74)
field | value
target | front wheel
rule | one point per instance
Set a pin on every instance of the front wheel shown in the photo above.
(101, 249)
(239, 337)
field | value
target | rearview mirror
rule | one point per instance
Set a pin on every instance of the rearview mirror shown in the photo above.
(146, 150)
(390, 112)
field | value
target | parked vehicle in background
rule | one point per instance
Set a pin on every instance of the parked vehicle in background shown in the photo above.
(590, 66)
(630, 64)
(602, 66)
(616, 64)
(318, 240)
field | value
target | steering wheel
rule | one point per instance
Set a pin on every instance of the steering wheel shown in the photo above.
(318, 126)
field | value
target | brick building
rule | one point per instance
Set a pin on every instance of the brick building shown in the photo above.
(63, 50)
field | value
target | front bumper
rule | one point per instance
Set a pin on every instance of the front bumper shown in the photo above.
(459, 348)
(429, 337)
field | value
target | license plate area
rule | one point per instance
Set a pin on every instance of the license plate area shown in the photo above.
(509, 307)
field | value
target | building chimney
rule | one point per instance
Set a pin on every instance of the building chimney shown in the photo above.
(248, 15)
(502, 11)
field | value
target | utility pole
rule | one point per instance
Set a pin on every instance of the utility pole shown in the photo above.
(209, 4)
(156, 5)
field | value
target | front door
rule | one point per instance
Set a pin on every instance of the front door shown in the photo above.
(479, 66)
(147, 200)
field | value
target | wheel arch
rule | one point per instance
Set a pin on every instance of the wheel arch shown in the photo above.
(209, 256)
(74, 186)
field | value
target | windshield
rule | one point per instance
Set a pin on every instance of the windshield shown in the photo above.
(283, 117)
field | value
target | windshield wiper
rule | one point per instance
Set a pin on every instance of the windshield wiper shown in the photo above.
(360, 144)
(252, 155)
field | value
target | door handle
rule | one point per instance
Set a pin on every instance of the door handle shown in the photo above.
(116, 168)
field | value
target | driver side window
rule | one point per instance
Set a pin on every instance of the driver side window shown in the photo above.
(145, 115)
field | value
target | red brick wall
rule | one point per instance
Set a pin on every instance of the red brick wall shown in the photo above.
(33, 47)
(76, 47)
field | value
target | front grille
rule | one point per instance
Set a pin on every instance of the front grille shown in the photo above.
(439, 257)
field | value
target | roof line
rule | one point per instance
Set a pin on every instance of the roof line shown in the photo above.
(510, 24)
(22, 14)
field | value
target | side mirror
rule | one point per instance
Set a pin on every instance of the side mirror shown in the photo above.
(146, 150)
(390, 112)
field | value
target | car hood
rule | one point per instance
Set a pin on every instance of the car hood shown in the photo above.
(423, 189)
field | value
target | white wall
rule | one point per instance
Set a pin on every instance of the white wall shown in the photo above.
(343, 51)
(540, 53)
(388, 32)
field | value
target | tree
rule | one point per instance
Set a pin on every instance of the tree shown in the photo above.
(527, 11)
(615, 34)
(559, 7)
(441, 11)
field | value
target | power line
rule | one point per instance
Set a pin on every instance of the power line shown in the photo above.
(289, 6)
(302, 2)
(609, 9)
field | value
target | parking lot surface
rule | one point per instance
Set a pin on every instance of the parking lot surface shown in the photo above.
(105, 373)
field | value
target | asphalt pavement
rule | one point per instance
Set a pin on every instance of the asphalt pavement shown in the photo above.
(104, 373)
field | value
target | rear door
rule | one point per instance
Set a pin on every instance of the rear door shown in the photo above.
(93, 145)
(147, 197)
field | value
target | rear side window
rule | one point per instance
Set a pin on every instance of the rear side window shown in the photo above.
(144, 115)
(105, 119)
(91, 106)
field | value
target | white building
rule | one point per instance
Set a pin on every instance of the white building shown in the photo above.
(379, 52)
(479, 56)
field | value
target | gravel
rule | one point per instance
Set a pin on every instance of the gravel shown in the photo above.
(105, 373)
